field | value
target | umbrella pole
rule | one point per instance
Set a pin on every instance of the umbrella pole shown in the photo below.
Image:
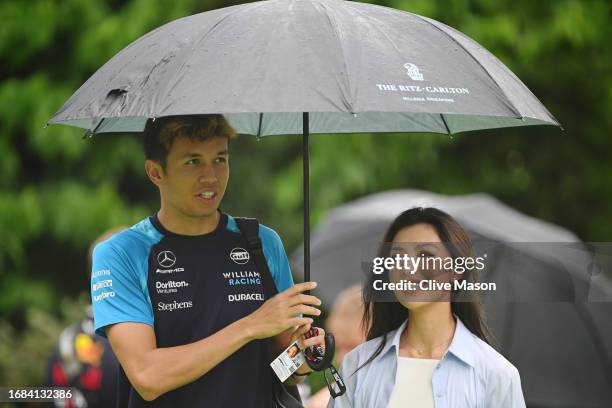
(306, 192)
(322, 356)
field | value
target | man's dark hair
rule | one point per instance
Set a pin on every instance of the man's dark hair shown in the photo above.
(159, 134)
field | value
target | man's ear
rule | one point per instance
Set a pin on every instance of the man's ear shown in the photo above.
(154, 172)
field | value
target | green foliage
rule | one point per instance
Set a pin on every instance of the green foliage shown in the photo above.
(58, 191)
(24, 353)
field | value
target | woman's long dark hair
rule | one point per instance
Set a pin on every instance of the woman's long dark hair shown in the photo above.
(379, 318)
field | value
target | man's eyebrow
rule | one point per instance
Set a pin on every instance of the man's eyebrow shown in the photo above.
(190, 154)
(194, 154)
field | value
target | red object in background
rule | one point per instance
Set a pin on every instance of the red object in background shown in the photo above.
(58, 375)
(59, 379)
(92, 379)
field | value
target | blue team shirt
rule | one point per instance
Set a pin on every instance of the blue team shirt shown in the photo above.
(187, 288)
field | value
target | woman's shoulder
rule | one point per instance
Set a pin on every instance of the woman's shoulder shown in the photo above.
(491, 363)
(370, 345)
(501, 378)
(363, 352)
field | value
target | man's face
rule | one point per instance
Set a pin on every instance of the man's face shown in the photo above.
(195, 177)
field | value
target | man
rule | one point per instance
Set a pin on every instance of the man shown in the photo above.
(181, 303)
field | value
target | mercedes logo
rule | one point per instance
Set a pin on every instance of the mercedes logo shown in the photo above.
(166, 259)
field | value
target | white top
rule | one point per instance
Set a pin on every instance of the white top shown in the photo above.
(413, 383)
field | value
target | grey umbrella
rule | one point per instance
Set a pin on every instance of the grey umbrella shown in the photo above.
(306, 66)
(551, 312)
(352, 231)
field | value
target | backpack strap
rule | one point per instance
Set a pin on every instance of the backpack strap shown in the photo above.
(283, 395)
(249, 227)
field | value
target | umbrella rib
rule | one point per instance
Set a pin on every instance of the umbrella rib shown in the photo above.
(445, 124)
(345, 93)
(95, 129)
(259, 126)
(512, 105)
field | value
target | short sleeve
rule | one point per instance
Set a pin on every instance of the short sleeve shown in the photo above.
(275, 254)
(117, 292)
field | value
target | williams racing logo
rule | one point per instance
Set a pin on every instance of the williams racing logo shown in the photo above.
(167, 259)
(240, 256)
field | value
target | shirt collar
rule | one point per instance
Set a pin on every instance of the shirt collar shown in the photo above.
(462, 346)
(394, 336)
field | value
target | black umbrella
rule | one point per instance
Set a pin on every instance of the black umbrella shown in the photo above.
(306, 66)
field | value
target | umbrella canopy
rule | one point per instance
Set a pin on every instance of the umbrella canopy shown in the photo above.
(550, 316)
(306, 66)
(354, 67)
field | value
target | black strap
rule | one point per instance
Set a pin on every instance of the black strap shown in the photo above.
(284, 395)
(249, 227)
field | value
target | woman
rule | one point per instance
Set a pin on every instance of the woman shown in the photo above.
(426, 348)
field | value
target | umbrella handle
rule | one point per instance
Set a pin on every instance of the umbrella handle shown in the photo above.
(318, 358)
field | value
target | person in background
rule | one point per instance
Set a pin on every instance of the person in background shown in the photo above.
(427, 348)
(84, 360)
(345, 322)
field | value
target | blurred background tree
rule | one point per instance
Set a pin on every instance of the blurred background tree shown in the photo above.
(58, 192)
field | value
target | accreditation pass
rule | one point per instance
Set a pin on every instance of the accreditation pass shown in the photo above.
(288, 361)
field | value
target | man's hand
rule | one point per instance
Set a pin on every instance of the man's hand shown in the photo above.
(282, 312)
(300, 335)
(303, 343)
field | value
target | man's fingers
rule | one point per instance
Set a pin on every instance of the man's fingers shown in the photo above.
(300, 321)
(299, 288)
(304, 329)
(304, 309)
(313, 341)
(304, 299)
(319, 339)
(299, 332)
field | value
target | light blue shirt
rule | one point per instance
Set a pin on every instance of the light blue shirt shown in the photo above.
(471, 374)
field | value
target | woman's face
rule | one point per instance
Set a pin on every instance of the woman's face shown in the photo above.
(421, 244)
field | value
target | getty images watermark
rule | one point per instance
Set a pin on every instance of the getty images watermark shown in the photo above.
(498, 271)
(426, 272)
(416, 273)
